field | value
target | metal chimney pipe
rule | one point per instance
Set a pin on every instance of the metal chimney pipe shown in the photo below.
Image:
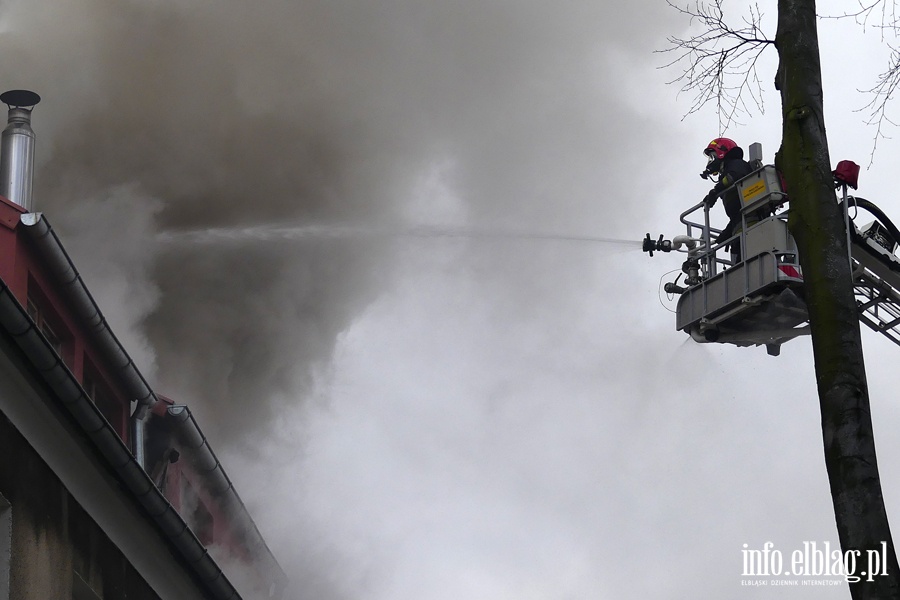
(17, 148)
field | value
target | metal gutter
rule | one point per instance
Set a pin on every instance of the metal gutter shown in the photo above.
(202, 457)
(69, 393)
(57, 260)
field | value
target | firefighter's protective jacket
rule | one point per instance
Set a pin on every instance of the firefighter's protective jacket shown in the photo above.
(734, 168)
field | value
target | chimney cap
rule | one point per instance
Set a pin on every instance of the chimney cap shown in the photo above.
(19, 98)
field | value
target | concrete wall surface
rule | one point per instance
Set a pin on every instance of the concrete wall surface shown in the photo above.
(76, 533)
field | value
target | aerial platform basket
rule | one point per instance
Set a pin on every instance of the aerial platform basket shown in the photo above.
(752, 301)
(747, 290)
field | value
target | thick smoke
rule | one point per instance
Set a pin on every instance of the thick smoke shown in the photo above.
(166, 116)
(161, 116)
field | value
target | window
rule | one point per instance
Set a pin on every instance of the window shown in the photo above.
(49, 324)
(40, 318)
(195, 513)
(203, 524)
(99, 392)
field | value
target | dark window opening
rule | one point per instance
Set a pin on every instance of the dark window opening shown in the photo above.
(195, 513)
(203, 524)
(49, 324)
(98, 391)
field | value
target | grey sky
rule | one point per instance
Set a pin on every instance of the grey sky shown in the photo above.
(442, 418)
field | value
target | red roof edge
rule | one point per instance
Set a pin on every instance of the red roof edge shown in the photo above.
(10, 213)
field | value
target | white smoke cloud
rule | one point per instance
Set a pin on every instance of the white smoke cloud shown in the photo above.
(410, 417)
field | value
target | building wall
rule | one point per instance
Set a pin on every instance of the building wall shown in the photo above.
(56, 550)
(69, 513)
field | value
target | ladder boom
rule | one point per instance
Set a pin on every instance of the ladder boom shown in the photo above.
(876, 285)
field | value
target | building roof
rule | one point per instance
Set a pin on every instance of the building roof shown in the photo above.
(31, 251)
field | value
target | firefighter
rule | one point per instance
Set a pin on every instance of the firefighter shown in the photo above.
(726, 159)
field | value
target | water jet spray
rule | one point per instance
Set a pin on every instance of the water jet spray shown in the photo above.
(272, 232)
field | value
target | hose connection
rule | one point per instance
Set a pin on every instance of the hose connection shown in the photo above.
(673, 288)
(691, 268)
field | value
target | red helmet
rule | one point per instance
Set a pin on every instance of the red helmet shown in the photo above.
(719, 147)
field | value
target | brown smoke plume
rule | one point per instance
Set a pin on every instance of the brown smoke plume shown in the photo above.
(160, 116)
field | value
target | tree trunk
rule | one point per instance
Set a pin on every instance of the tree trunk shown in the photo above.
(818, 227)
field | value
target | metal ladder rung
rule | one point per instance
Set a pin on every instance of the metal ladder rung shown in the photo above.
(877, 300)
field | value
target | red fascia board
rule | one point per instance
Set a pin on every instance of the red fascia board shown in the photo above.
(11, 270)
(159, 409)
(9, 251)
(10, 213)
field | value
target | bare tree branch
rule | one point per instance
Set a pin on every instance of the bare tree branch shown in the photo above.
(865, 11)
(881, 94)
(888, 24)
(719, 64)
